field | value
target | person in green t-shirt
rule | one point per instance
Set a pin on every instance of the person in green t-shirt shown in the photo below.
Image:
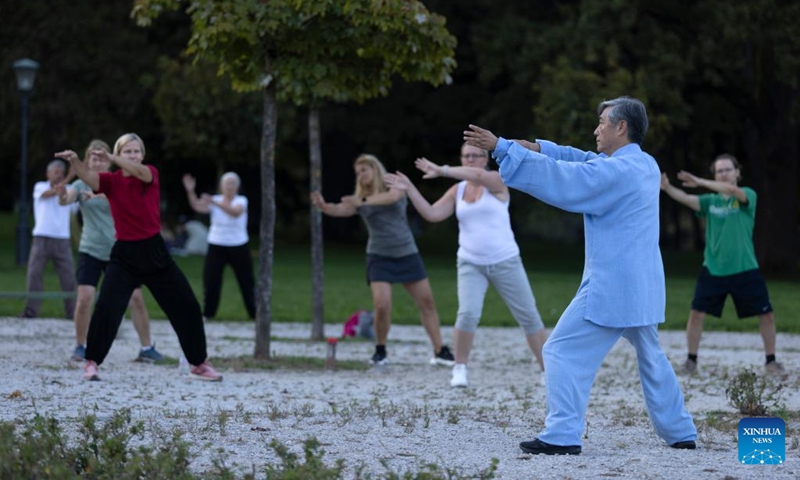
(729, 265)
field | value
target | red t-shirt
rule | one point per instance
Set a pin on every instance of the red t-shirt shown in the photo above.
(135, 205)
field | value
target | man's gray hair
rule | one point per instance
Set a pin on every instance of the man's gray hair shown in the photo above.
(632, 111)
(57, 164)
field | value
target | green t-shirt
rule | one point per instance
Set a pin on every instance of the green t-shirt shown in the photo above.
(729, 233)
(98, 234)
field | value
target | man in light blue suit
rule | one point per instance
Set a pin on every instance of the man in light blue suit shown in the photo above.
(622, 291)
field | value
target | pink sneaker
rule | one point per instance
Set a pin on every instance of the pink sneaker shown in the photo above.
(91, 372)
(206, 372)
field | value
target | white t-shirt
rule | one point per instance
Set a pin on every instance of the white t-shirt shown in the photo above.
(484, 229)
(50, 219)
(227, 230)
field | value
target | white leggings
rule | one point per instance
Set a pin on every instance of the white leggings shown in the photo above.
(511, 282)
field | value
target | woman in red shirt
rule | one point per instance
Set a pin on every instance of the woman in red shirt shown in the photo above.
(139, 257)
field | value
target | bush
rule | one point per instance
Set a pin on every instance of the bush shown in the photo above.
(748, 394)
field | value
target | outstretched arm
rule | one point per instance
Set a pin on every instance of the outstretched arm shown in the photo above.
(693, 181)
(691, 201)
(66, 194)
(341, 209)
(89, 177)
(133, 168)
(198, 205)
(488, 178)
(232, 210)
(442, 209)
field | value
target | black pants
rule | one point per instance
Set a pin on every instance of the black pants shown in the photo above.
(146, 262)
(239, 259)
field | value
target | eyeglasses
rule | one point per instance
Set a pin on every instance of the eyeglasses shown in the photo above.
(474, 155)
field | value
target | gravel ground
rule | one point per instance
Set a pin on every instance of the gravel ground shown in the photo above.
(402, 416)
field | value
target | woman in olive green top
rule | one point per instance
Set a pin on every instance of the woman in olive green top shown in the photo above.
(94, 252)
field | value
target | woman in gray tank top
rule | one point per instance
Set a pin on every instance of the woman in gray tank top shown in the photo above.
(392, 255)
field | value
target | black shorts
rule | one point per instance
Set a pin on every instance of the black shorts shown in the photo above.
(408, 269)
(748, 289)
(90, 269)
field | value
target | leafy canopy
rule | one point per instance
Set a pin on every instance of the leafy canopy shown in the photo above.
(316, 49)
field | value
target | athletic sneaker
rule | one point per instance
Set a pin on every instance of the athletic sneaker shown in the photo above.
(379, 359)
(149, 355)
(776, 369)
(459, 376)
(91, 371)
(444, 358)
(689, 367)
(206, 372)
(79, 354)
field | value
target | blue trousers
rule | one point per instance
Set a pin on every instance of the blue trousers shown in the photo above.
(573, 354)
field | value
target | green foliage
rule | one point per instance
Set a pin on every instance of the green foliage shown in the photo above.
(316, 50)
(751, 395)
(311, 468)
(40, 449)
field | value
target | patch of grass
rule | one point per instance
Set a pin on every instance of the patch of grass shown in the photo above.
(249, 364)
(554, 272)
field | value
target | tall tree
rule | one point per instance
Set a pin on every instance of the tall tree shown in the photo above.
(276, 46)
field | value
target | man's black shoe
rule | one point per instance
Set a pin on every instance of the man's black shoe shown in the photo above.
(687, 445)
(537, 447)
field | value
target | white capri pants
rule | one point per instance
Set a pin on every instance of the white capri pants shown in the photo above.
(511, 282)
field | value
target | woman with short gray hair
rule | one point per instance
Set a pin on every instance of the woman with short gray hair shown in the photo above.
(227, 241)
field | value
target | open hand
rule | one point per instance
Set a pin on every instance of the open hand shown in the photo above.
(688, 179)
(397, 181)
(317, 200)
(430, 169)
(481, 138)
(664, 181)
(189, 182)
(68, 155)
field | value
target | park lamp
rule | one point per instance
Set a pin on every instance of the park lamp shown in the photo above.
(26, 74)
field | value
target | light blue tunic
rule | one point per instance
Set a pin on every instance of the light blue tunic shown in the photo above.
(618, 197)
(622, 292)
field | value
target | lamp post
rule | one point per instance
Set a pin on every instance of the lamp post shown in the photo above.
(25, 70)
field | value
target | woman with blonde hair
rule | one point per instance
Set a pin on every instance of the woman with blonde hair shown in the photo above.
(227, 241)
(139, 257)
(94, 253)
(392, 254)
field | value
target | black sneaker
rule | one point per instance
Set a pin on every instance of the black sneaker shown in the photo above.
(444, 358)
(537, 447)
(687, 445)
(379, 359)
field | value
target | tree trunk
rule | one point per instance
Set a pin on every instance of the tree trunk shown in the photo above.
(267, 227)
(317, 273)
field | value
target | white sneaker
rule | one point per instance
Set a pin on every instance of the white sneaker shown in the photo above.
(459, 376)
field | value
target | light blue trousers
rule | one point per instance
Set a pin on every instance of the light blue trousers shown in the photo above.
(573, 354)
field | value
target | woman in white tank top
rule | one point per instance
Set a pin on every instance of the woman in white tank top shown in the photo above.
(487, 250)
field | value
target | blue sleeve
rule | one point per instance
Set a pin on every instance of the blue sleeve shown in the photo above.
(589, 187)
(567, 154)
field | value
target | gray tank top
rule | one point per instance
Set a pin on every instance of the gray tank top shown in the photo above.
(389, 233)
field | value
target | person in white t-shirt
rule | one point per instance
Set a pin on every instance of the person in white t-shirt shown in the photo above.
(50, 241)
(227, 241)
(487, 250)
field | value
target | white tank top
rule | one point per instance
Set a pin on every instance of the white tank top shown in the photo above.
(484, 229)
